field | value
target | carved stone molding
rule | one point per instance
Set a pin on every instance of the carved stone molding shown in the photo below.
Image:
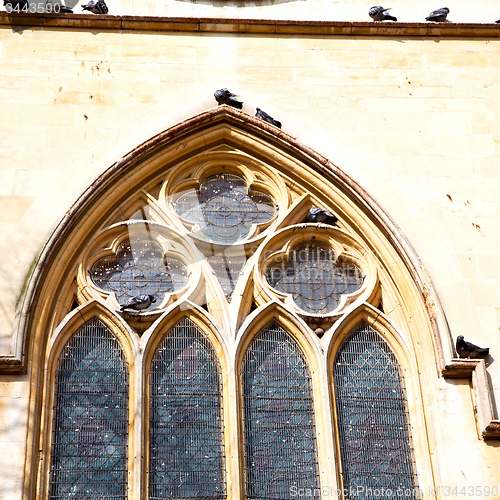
(475, 370)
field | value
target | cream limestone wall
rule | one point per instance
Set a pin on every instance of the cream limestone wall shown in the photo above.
(461, 11)
(415, 121)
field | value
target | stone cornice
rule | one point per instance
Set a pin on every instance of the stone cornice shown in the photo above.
(253, 26)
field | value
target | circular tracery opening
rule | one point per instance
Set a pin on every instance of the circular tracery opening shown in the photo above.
(139, 267)
(224, 208)
(315, 277)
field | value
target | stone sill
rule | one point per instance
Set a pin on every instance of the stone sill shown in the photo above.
(475, 370)
(253, 26)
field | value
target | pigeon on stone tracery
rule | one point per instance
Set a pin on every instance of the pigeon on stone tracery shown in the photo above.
(321, 215)
(224, 96)
(439, 15)
(379, 13)
(267, 118)
(468, 350)
(139, 303)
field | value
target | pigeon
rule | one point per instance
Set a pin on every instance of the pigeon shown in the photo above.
(57, 8)
(96, 7)
(267, 118)
(223, 96)
(139, 302)
(16, 5)
(378, 13)
(321, 215)
(467, 350)
(438, 16)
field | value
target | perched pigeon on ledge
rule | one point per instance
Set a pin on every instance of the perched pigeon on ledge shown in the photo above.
(321, 215)
(139, 302)
(468, 350)
(438, 16)
(223, 96)
(378, 13)
(96, 7)
(57, 8)
(267, 118)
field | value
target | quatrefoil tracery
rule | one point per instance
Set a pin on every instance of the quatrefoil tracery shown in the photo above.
(139, 267)
(315, 277)
(224, 209)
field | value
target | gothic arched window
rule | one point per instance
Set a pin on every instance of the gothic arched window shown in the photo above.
(186, 443)
(374, 431)
(280, 441)
(218, 233)
(90, 423)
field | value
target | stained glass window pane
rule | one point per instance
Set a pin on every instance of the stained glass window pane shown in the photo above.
(224, 208)
(90, 431)
(314, 277)
(374, 430)
(139, 267)
(186, 444)
(280, 442)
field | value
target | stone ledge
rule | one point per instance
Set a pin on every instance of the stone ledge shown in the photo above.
(475, 370)
(254, 26)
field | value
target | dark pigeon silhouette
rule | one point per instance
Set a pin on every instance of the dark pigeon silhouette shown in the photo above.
(96, 7)
(321, 215)
(57, 8)
(17, 5)
(468, 350)
(139, 302)
(438, 16)
(378, 13)
(223, 96)
(267, 118)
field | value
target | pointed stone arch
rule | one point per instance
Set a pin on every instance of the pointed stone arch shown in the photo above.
(216, 128)
(225, 133)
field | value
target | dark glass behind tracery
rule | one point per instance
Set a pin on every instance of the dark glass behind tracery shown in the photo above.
(374, 429)
(315, 277)
(139, 267)
(90, 430)
(186, 444)
(280, 442)
(224, 208)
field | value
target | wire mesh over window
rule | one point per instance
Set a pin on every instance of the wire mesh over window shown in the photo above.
(186, 443)
(224, 208)
(373, 423)
(280, 442)
(314, 277)
(139, 267)
(90, 430)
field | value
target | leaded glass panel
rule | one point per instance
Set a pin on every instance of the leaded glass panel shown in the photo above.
(280, 442)
(139, 267)
(374, 430)
(186, 444)
(314, 277)
(224, 208)
(90, 429)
